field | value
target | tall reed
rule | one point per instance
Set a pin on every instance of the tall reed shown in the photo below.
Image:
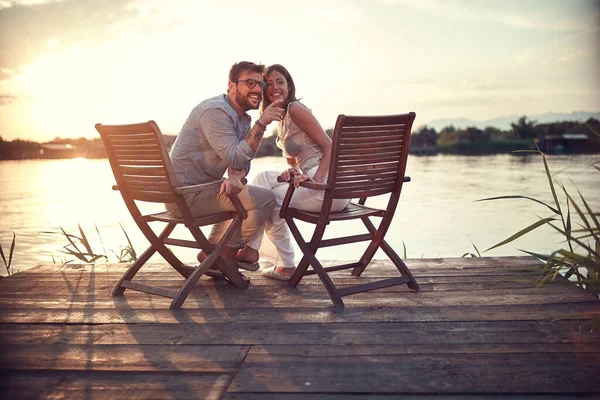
(8, 263)
(578, 259)
(80, 247)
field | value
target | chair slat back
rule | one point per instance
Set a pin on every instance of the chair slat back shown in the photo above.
(369, 155)
(139, 161)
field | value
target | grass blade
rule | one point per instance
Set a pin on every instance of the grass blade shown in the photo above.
(133, 254)
(554, 210)
(12, 249)
(589, 210)
(100, 238)
(551, 182)
(84, 240)
(2, 255)
(579, 242)
(522, 232)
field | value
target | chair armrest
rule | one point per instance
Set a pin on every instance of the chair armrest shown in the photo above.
(315, 185)
(197, 188)
(203, 186)
(239, 207)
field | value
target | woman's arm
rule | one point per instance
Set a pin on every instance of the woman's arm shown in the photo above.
(306, 121)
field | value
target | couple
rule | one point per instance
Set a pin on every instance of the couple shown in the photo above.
(217, 137)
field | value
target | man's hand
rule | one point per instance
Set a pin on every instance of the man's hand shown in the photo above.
(272, 113)
(236, 173)
(231, 185)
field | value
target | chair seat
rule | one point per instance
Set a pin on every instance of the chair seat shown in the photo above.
(352, 211)
(201, 221)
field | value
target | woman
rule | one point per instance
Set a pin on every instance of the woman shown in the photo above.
(307, 149)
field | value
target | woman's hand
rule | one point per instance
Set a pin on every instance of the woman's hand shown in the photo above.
(274, 112)
(288, 173)
(301, 178)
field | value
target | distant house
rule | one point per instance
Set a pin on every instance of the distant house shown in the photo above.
(57, 150)
(424, 142)
(565, 143)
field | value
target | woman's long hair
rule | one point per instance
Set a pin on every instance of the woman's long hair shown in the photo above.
(291, 86)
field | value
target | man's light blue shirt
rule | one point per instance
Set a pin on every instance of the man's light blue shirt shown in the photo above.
(211, 140)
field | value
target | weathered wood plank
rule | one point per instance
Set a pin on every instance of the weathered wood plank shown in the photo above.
(149, 358)
(55, 313)
(89, 278)
(103, 293)
(302, 296)
(419, 373)
(477, 328)
(427, 284)
(404, 396)
(416, 263)
(113, 385)
(292, 350)
(283, 333)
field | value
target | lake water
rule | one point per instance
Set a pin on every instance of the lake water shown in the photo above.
(436, 215)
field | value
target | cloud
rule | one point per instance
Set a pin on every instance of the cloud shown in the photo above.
(8, 4)
(30, 29)
(527, 14)
(7, 73)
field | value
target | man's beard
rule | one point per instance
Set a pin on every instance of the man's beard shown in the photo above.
(245, 102)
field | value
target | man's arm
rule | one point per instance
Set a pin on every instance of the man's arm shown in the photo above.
(272, 113)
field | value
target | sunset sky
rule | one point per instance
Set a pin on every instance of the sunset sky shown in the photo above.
(68, 64)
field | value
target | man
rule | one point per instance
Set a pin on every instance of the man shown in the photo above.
(217, 137)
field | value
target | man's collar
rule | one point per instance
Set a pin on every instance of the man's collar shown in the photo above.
(246, 115)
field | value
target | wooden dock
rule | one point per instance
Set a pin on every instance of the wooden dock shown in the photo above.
(478, 328)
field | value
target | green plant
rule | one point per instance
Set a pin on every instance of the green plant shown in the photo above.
(8, 264)
(86, 255)
(81, 248)
(126, 253)
(579, 260)
(472, 254)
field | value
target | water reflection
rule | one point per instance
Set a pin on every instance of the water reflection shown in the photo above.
(436, 217)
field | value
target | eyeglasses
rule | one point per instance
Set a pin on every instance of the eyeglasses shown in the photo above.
(251, 83)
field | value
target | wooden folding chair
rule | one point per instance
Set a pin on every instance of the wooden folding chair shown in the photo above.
(142, 168)
(368, 159)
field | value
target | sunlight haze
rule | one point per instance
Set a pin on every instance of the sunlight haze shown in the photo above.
(66, 65)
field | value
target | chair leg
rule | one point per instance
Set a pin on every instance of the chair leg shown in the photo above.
(133, 270)
(309, 258)
(387, 249)
(191, 281)
(230, 272)
(157, 243)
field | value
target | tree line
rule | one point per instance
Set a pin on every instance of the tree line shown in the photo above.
(524, 130)
(19, 149)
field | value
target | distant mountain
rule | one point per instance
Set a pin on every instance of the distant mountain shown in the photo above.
(504, 122)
